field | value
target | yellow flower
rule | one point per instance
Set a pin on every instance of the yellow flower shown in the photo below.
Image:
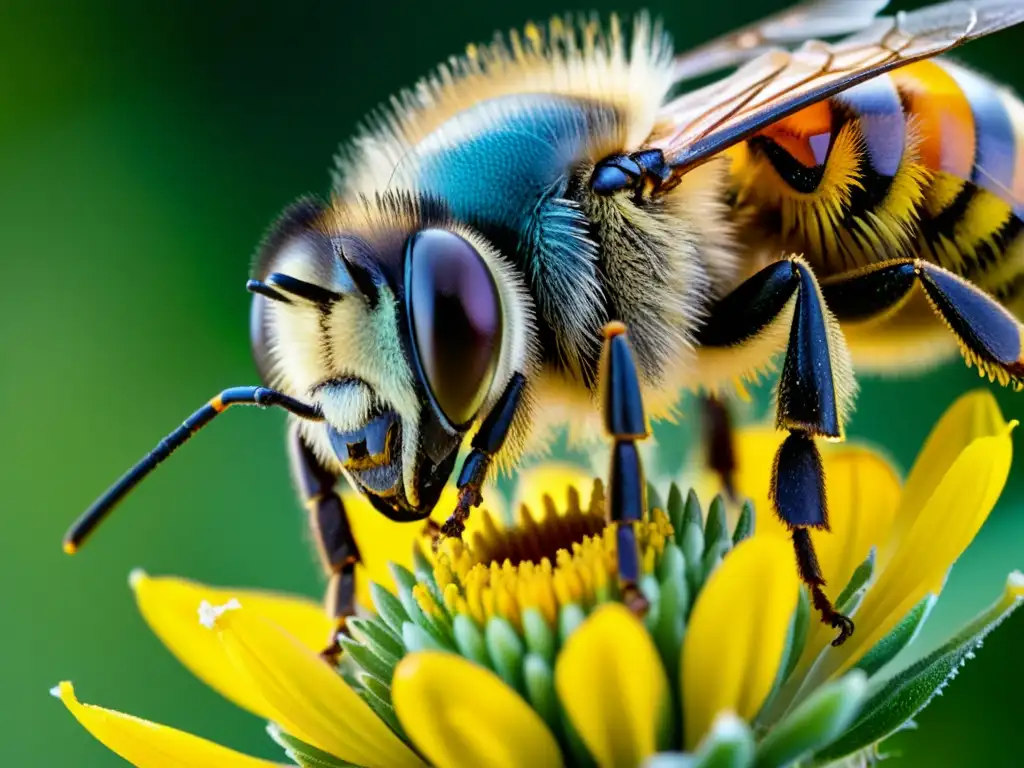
(513, 647)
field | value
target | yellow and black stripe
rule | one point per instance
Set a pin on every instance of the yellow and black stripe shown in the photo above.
(924, 162)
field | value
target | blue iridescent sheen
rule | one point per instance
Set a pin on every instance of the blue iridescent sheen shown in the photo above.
(995, 155)
(504, 167)
(877, 105)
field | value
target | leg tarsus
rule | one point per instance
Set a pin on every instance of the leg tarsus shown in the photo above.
(810, 573)
(634, 600)
(332, 651)
(830, 616)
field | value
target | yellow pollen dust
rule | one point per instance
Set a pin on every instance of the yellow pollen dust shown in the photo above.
(545, 566)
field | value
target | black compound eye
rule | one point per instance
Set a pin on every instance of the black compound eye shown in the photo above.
(455, 316)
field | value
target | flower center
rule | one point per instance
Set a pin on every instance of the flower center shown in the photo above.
(536, 537)
(542, 564)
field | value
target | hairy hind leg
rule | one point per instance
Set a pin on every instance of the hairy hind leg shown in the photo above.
(814, 376)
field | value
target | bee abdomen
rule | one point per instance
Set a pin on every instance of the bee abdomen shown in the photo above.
(919, 162)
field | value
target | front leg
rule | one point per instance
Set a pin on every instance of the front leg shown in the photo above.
(815, 380)
(486, 443)
(338, 551)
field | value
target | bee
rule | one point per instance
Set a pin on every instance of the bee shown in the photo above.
(829, 203)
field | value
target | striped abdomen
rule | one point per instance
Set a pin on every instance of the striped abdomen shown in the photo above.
(926, 161)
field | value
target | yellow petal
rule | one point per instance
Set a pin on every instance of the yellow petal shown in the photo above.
(145, 744)
(612, 684)
(947, 523)
(380, 541)
(169, 606)
(737, 634)
(459, 714)
(974, 415)
(307, 698)
(552, 479)
(755, 448)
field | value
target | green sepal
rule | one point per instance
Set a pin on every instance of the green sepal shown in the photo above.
(900, 637)
(692, 545)
(368, 661)
(469, 640)
(379, 689)
(416, 638)
(729, 744)
(745, 524)
(716, 529)
(798, 633)
(378, 637)
(405, 581)
(569, 620)
(796, 639)
(506, 650)
(670, 563)
(653, 498)
(424, 571)
(378, 698)
(671, 625)
(713, 557)
(692, 512)
(437, 628)
(539, 637)
(822, 717)
(894, 701)
(388, 608)
(676, 506)
(669, 760)
(651, 589)
(539, 688)
(304, 754)
(855, 586)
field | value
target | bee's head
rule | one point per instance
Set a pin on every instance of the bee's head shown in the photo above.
(402, 327)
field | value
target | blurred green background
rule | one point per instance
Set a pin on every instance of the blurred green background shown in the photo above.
(143, 149)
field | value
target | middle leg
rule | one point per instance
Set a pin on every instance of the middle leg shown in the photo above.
(815, 381)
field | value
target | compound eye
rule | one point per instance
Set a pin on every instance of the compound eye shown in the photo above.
(455, 314)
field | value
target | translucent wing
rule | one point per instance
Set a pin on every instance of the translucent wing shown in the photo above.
(816, 19)
(701, 123)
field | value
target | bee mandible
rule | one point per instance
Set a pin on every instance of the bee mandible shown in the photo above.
(853, 201)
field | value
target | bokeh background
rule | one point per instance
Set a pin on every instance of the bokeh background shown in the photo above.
(143, 149)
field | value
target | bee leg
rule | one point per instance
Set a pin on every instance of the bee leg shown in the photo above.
(486, 443)
(719, 443)
(335, 543)
(813, 375)
(988, 335)
(626, 424)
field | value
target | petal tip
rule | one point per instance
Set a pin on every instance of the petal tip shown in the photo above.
(1015, 584)
(60, 689)
(728, 723)
(136, 577)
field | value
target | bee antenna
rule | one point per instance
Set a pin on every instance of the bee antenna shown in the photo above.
(255, 286)
(361, 277)
(311, 292)
(104, 505)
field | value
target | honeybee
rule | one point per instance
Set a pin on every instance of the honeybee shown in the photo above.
(858, 200)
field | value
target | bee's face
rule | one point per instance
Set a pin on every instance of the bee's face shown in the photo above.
(400, 353)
